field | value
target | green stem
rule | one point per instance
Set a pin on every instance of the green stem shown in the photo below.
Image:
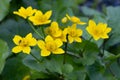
(66, 45)
(35, 30)
(42, 29)
(72, 54)
(112, 72)
(102, 48)
(35, 58)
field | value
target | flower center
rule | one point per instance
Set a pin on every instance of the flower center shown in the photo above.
(42, 18)
(97, 32)
(51, 31)
(73, 33)
(24, 43)
(51, 46)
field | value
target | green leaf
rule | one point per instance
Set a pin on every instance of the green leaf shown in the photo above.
(32, 63)
(90, 12)
(76, 75)
(4, 8)
(113, 14)
(98, 72)
(14, 69)
(38, 75)
(115, 69)
(67, 68)
(99, 19)
(10, 28)
(4, 52)
(94, 74)
(52, 65)
(110, 57)
(89, 55)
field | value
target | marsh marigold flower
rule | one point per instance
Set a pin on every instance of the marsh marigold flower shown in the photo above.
(23, 44)
(25, 12)
(50, 46)
(39, 18)
(75, 20)
(98, 31)
(54, 30)
(73, 33)
(63, 36)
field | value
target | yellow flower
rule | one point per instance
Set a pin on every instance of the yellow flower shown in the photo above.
(25, 12)
(39, 18)
(73, 33)
(54, 30)
(63, 36)
(27, 77)
(75, 20)
(50, 46)
(23, 44)
(98, 31)
(64, 20)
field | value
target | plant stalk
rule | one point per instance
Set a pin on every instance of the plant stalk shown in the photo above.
(35, 58)
(35, 30)
(66, 45)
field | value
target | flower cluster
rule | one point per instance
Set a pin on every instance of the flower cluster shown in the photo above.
(55, 35)
(34, 15)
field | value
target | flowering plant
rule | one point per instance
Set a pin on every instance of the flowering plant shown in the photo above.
(57, 40)
(70, 48)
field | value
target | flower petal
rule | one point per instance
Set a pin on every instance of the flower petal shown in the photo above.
(82, 23)
(46, 22)
(64, 20)
(65, 31)
(48, 38)
(32, 42)
(70, 39)
(26, 50)
(17, 39)
(28, 36)
(79, 32)
(58, 51)
(29, 8)
(90, 30)
(77, 39)
(41, 44)
(17, 49)
(68, 16)
(21, 10)
(73, 26)
(74, 19)
(108, 30)
(48, 14)
(38, 13)
(58, 42)
(92, 23)
(45, 52)
(54, 25)
(96, 37)
(104, 36)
